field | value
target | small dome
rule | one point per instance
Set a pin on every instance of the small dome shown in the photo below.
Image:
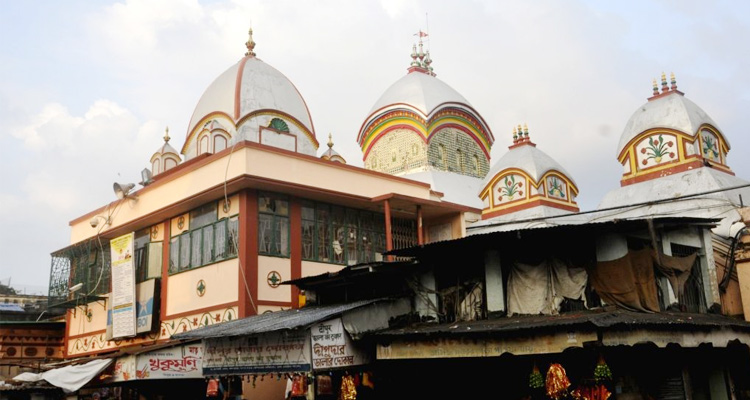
(331, 154)
(667, 135)
(165, 157)
(524, 178)
(672, 110)
(248, 90)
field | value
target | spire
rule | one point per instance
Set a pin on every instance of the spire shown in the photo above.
(656, 88)
(421, 60)
(250, 44)
(673, 82)
(166, 135)
(664, 87)
(515, 136)
(330, 141)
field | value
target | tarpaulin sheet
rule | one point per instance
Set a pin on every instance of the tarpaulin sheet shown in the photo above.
(540, 289)
(628, 282)
(69, 378)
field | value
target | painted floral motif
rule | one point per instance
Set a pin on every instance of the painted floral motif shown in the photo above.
(657, 149)
(556, 188)
(510, 188)
(710, 147)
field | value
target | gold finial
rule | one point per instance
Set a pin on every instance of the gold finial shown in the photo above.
(656, 88)
(525, 130)
(330, 141)
(166, 135)
(664, 86)
(515, 135)
(673, 81)
(250, 44)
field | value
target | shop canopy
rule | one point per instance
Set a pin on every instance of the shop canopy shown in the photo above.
(69, 378)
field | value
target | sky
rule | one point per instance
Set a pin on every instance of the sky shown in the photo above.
(87, 88)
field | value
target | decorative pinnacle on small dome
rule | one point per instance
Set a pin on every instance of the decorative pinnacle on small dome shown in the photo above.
(521, 136)
(330, 141)
(667, 87)
(421, 60)
(250, 44)
(166, 135)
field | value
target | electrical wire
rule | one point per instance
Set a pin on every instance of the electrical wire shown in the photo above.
(233, 238)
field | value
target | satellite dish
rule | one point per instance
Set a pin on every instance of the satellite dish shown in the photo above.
(123, 189)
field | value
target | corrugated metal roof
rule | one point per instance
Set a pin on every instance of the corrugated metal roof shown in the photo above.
(594, 319)
(274, 321)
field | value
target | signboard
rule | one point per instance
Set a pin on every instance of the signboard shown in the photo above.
(145, 306)
(332, 347)
(124, 369)
(450, 347)
(268, 352)
(123, 286)
(171, 363)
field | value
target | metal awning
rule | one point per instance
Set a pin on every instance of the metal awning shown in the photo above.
(272, 322)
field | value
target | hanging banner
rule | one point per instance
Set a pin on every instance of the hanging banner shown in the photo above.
(171, 363)
(333, 348)
(145, 304)
(123, 287)
(262, 353)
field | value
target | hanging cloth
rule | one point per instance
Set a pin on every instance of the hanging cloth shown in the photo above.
(628, 282)
(568, 282)
(529, 290)
(676, 269)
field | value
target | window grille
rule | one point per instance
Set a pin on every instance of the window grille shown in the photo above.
(341, 235)
(204, 245)
(273, 225)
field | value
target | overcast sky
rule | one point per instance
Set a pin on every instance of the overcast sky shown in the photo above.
(86, 88)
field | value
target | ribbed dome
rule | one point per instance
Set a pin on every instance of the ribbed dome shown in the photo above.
(671, 110)
(421, 91)
(248, 86)
(528, 159)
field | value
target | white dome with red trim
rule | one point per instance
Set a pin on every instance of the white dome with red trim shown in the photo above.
(247, 98)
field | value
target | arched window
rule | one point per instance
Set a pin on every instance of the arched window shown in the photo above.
(460, 160)
(220, 142)
(476, 164)
(155, 167)
(169, 163)
(203, 145)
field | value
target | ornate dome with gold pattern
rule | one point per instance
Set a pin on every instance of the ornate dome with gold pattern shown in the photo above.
(422, 124)
(250, 101)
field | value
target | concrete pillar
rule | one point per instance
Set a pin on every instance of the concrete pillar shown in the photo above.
(717, 384)
(708, 269)
(611, 246)
(493, 279)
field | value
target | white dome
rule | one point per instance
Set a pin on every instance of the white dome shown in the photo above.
(249, 86)
(529, 159)
(421, 91)
(671, 111)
